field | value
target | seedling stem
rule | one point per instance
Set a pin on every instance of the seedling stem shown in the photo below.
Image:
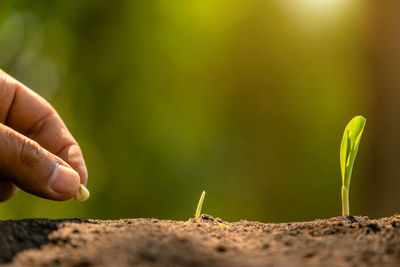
(345, 201)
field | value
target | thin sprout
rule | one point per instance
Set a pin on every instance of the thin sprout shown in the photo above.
(199, 206)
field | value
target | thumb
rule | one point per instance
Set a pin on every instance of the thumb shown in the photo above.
(34, 169)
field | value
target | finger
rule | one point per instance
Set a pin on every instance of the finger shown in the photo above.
(7, 189)
(31, 115)
(34, 169)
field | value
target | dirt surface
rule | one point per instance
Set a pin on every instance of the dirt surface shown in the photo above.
(340, 241)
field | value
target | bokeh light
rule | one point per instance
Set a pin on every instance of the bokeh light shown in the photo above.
(245, 99)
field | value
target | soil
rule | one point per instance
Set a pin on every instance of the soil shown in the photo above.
(339, 241)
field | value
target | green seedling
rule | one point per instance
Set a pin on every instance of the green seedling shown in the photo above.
(199, 206)
(348, 151)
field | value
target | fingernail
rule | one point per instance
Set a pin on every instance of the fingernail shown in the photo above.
(64, 179)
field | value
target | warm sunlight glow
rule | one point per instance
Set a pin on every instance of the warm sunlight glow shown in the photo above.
(323, 5)
(314, 14)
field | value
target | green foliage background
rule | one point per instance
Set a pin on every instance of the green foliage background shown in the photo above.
(245, 99)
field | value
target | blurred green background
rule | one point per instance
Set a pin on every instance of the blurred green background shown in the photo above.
(245, 99)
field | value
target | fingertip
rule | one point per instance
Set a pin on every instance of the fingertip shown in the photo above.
(83, 173)
(64, 182)
(72, 155)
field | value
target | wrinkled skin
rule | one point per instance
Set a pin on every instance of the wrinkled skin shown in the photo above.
(37, 152)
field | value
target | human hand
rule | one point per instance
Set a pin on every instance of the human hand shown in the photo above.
(37, 152)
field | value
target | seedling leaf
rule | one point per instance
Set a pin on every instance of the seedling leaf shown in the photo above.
(199, 206)
(348, 151)
(349, 147)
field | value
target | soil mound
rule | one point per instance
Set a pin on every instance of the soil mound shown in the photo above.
(339, 241)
